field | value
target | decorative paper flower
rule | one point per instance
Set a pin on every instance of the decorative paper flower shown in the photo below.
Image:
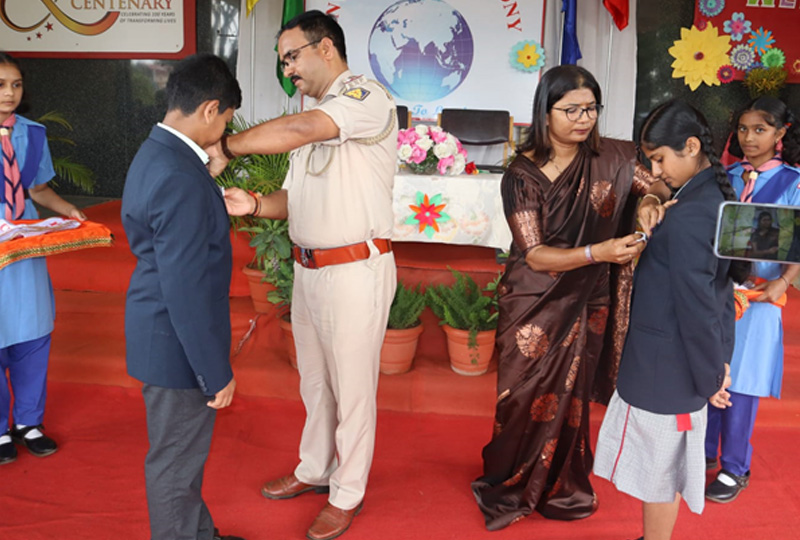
(773, 58)
(711, 8)
(698, 56)
(761, 40)
(755, 65)
(527, 56)
(796, 66)
(725, 74)
(742, 57)
(701, 24)
(427, 213)
(428, 149)
(737, 27)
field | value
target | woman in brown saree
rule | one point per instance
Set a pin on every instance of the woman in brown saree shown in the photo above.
(570, 199)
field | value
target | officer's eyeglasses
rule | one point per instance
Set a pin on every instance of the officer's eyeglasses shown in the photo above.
(291, 57)
(574, 114)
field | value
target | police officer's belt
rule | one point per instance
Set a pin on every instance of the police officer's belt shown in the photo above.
(317, 258)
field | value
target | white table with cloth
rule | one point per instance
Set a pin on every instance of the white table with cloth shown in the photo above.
(464, 209)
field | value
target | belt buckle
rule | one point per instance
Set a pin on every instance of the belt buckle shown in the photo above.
(307, 258)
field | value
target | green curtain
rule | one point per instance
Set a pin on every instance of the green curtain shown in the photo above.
(291, 8)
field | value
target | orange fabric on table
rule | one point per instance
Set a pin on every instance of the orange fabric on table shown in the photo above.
(88, 235)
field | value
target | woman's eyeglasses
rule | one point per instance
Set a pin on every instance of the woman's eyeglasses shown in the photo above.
(574, 114)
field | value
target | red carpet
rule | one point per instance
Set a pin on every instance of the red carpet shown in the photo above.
(93, 488)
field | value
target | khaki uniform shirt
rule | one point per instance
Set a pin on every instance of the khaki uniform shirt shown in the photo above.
(340, 190)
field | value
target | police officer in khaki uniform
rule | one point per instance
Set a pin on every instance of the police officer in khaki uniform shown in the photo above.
(338, 199)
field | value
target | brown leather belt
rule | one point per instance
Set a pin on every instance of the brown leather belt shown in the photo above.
(317, 258)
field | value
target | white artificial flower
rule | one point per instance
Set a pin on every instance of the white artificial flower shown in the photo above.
(404, 152)
(425, 143)
(458, 165)
(421, 129)
(436, 129)
(444, 149)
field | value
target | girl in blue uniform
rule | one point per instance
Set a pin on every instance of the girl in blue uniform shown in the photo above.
(769, 140)
(27, 309)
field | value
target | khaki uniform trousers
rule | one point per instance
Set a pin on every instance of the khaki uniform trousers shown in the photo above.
(339, 316)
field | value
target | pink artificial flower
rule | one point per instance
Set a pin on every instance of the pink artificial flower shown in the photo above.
(418, 155)
(407, 136)
(444, 163)
(438, 136)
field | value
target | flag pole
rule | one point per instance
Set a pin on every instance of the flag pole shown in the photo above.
(607, 82)
(252, 67)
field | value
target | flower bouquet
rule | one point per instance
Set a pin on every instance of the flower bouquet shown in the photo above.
(430, 149)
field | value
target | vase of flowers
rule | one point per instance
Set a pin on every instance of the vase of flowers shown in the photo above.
(430, 150)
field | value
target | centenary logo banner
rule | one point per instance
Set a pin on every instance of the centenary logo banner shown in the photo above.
(98, 28)
(762, 33)
(432, 54)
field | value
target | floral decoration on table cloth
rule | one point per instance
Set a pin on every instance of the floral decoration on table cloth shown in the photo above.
(711, 8)
(698, 56)
(737, 26)
(761, 40)
(527, 56)
(427, 213)
(725, 74)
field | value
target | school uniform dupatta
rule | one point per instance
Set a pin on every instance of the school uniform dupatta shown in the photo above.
(560, 334)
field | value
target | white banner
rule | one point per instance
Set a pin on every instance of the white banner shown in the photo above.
(433, 54)
(98, 28)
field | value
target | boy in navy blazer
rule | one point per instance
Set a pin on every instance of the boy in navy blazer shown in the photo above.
(177, 315)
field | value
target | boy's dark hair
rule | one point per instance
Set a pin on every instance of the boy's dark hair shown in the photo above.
(776, 114)
(317, 25)
(6, 58)
(555, 83)
(671, 124)
(199, 78)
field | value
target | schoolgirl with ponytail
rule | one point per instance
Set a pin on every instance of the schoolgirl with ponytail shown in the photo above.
(680, 338)
(768, 138)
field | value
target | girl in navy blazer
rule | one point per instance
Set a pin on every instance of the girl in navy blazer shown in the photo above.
(681, 333)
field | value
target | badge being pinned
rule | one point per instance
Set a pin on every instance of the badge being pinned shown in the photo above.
(357, 93)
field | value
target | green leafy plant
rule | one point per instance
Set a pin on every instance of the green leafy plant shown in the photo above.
(284, 281)
(464, 305)
(766, 81)
(406, 307)
(66, 168)
(260, 174)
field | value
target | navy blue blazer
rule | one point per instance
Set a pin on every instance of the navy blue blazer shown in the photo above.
(177, 312)
(682, 310)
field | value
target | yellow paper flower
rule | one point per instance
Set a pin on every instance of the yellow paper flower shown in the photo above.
(699, 54)
(528, 56)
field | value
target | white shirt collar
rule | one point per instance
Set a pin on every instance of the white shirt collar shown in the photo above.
(189, 142)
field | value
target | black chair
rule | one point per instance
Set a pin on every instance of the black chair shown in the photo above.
(403, 117)
(480, 128)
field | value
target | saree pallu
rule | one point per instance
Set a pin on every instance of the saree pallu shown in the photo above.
(559, 336)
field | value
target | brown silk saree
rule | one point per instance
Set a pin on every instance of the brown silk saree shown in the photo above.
(559, 336)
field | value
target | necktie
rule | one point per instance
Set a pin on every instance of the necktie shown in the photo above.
(14, 199)
(752, 176)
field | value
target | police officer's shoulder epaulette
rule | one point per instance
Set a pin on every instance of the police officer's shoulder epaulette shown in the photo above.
(355, 88)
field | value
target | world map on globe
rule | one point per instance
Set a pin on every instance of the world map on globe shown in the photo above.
(421, 50)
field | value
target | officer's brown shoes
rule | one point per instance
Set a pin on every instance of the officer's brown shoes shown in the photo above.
(332, 522)
(288, 487)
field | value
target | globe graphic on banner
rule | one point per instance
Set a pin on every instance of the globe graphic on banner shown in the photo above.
(421, 50)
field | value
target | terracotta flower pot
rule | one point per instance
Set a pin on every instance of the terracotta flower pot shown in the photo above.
(286, 325)
(259, 290)
(399, 347)
(465, 360)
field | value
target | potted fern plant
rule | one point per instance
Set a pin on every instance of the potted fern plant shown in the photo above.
(270, 238)
(403, 330)
(469, 318)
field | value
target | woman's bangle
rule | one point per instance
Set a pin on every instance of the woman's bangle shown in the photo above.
(223, 143)
(785, 281)
(653, 195)
(257, 203)
(587, 251)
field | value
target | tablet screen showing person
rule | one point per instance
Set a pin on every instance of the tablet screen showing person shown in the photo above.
(758, 232)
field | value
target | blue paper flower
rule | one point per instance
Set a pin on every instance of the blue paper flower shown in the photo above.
(742, 57)
(761, 40)
(527, 56)
(711, 8)
(737, 27)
